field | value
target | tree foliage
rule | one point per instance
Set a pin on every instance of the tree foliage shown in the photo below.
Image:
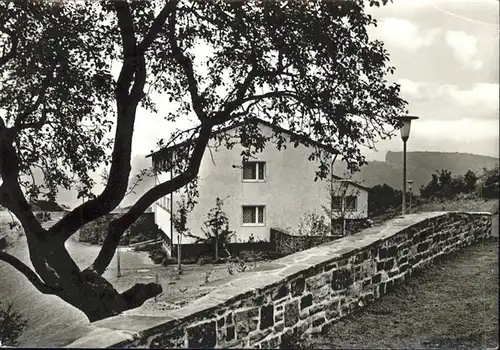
(490, 182)
(382, 198)
(12, 325)
(216, 230)
(307, 66)
(443, 185)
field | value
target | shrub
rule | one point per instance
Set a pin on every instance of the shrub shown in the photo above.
(12, 324)
(205, 259)
(216, 230)
(311, 224)
(381, 198)
(490, 186)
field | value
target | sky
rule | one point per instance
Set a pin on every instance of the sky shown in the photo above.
(446, 55)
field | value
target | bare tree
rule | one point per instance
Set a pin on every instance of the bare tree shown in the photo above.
(342, 203)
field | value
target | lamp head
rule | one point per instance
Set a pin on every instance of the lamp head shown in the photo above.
(405, 129)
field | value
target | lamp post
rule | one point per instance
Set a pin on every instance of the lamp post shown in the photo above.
(410, 182)
(344, 186)
(118, 271)
(405, 134)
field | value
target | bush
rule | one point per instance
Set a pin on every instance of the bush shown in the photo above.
(381, 198)
(311, 224)
(157, 255)
(205, 259)
(216, 230)
(12, 324)
(490, 186)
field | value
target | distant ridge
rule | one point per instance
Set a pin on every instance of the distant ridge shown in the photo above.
(420, 167)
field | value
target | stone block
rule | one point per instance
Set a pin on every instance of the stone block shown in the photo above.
(246, 321)
(278, 327)
(202, 336)
(319, 321)
(422, 247)
(320, 294)
(377, 278)
(229, 318)
(306, 301)
(257, 336)
(392, 252)
(341, 279)
(266, 316)
(291, 313)
(382, 253)
(403, 268)
(297, 287)
(389, 264)
(280, 292)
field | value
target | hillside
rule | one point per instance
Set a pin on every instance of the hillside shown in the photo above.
(420, 167)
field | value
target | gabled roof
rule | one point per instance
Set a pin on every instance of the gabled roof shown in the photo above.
(303, 139)
(276, 128)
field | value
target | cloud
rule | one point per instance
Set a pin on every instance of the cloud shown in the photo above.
(450, 102)
(404, 34)
(464, 48)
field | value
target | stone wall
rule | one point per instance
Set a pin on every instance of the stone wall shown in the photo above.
(299, 294)
(285, 243)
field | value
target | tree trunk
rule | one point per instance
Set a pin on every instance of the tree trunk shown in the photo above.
(85, 290)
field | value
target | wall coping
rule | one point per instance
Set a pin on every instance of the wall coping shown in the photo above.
(133, 324)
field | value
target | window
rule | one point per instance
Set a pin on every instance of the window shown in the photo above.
(253, 215)
(351, 203)
(337, 203)
(254, 171)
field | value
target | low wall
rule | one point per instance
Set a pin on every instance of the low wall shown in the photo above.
(286, 244)
(191, 252)
(299, 294)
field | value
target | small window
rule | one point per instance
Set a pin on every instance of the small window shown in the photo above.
(253, 215)
(350, 203)
(337, 203)
(254, 171)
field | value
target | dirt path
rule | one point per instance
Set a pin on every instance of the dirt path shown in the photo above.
(452, 305)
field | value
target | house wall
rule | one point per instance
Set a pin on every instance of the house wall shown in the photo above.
(361, 211)
(162, 216)
(297, 296)
(289, 190)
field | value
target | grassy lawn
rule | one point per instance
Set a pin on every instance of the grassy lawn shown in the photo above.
(460, 204)
(452, 304)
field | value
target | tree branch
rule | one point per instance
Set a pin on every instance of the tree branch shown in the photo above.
(187, 66)
(114, 192)
(28, 273)
(13, 49)
(158, 22)
(18, 124)
(119, 225)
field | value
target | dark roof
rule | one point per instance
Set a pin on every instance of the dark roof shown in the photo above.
(304, 139)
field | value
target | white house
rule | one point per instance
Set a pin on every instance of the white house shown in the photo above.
(272, 191)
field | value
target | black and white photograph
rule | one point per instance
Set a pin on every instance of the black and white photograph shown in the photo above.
(264, 174)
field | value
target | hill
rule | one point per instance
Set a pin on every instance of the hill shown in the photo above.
(420, 167)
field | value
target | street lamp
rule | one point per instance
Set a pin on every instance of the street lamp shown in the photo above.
(405, 134)
(344, 185)
(410, 182)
